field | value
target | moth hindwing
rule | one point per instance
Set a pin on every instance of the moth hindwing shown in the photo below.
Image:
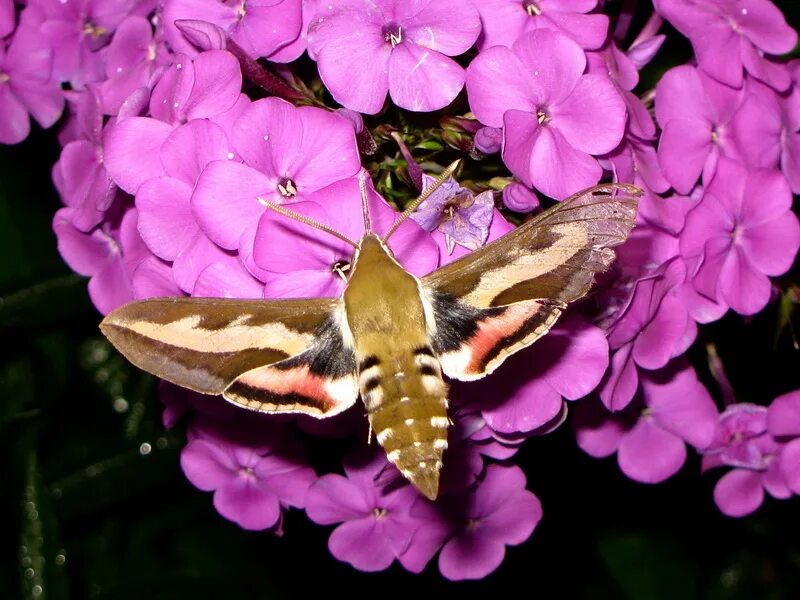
(391, 337)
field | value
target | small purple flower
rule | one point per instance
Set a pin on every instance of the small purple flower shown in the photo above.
(730, 34)
(26, 86)
(742, 232)
(376, 523)
(650, 435)
(739, 425)
(364, 50)
(462, 217)
(742, 441)
(505, 21)
(553, 116)
(475, 527)
(253, 475)
(109, 255)
(299, 261)
(262, 28)
(694, 112)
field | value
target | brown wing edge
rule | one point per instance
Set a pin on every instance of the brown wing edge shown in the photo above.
(207, 371)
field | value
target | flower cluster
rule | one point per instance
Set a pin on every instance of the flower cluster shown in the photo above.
(179, 118)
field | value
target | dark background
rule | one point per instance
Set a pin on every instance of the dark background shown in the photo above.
(84, 514)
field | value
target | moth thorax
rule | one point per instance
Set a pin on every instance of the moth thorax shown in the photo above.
(413, 432)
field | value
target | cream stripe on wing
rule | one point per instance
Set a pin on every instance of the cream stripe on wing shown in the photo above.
(234, 337)
(529, 266)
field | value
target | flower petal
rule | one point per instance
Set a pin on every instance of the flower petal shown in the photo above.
(423, 80)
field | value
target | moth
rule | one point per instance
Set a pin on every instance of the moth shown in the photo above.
(391, 338)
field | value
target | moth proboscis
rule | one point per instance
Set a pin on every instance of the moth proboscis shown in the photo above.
(391, 337)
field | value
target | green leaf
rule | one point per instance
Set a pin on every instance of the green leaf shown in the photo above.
(54, 301)
(648, 566)
(42, 565)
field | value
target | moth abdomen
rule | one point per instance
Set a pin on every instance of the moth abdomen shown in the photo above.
(407, 409)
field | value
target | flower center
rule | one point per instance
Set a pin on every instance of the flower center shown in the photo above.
(393, 33)
(472, 524)
(736, 234)
(4, 77)
(246, 472)
(241, 11)
(151, 52)
(543, 116)
(93, 30)
(286, 188)
(379, 513)
(531, 8)
(647, 413)
(340, 267)
(715, 134)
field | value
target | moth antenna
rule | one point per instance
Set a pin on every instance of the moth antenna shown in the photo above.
(451, 168)
(362, 186)
(305, 220)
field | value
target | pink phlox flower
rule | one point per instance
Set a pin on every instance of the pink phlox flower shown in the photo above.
(462, 217)
(783, 424)
(742, 441)
(635, 161)
(766, 127)
(473, 528)
(528, 390)
(80, 175)
(505, 21)
(285, 160)
(672, 408)
(739, 425)
(377, 526)
(78, 32)
(26, 85)
(695, 113)
(132, 61)
(729, 36)
(204, 86)
(554, 117)
(742, 232)
(300, 261)
(253, 469)
(109, 254)
(365, 49)
(7, 17)
(166, 221)
(262, 28)
(648, 332)
(615, 64)
(208, 86)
